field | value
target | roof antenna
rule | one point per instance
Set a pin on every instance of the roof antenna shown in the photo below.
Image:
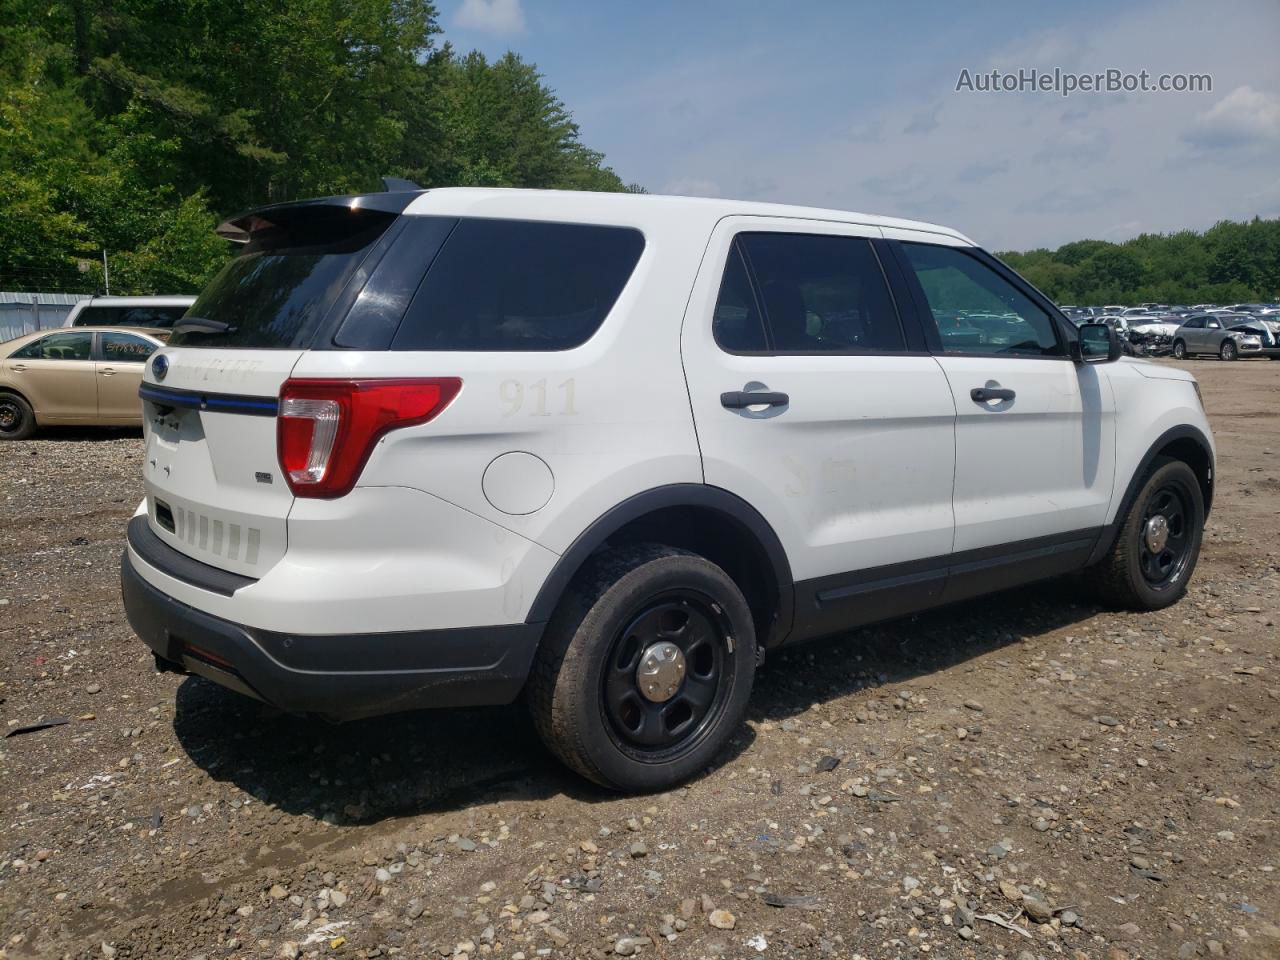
(397, 185)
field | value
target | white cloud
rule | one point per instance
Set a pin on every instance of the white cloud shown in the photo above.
(493, 16)
(1245, 116)
(1015, 170)
(926, 121)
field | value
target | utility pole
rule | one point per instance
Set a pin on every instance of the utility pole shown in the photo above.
(106, 274)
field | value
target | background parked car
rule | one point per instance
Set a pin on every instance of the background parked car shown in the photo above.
(144, 313)
(87, 376)
(1213, 333)
(1266, 330)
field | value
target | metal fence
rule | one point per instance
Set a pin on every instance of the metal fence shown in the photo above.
(27, 312)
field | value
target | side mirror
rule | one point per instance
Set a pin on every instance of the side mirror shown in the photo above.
(1098, 343)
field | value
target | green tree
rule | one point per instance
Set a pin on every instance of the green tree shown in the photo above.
(135, 125)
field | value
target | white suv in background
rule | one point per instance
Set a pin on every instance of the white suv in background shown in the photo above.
(159, 313)
(440, 448)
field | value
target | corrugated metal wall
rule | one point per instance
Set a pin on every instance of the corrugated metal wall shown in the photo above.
(27, 312)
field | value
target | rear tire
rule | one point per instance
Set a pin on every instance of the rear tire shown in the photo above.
(584, 691)
(1150, 564)
(1179, 350)
(1228, 350)
(17, 421)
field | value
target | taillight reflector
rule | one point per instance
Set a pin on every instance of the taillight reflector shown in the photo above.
(327, 428)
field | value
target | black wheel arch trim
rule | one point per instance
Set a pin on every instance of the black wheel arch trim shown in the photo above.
(1183, 432)
(695, 495)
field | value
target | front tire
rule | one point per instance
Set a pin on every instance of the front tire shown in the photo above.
(1179, 350)
(1228, 350)
(17, 421)
(645, 669)
(1149, 565)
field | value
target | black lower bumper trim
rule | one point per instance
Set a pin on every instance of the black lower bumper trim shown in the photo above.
(342, 677)
(178, 565)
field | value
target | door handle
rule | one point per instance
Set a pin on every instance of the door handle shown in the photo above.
(983, 394)
(741, 399)
(107, 371)
(18, 367)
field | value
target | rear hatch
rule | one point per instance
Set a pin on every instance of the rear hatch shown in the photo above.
(213, 484)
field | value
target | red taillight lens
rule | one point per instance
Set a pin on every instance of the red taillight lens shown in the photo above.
(327, 428)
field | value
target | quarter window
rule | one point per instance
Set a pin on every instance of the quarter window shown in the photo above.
(519, 285)
(58, 346)
(737, 325)
(975, 309)
(817, 293)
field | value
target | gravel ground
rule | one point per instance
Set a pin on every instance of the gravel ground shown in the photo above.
(1023, 776)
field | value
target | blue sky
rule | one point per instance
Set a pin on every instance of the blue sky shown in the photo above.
(854, 106)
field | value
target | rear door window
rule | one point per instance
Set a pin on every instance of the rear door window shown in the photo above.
(518, 285)
(122, 348)
(818, 294)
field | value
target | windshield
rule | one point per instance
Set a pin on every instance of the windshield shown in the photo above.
(276, 292)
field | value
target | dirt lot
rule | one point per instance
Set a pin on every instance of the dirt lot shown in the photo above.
(1018, 759)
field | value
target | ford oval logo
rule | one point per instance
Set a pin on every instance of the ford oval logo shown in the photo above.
(160, 366)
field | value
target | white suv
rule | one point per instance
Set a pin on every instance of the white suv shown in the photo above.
(440, 448)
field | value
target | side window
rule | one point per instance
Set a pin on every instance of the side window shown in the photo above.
(736, 324)
(1195, 323)
(821, 294)
(976, 310)
(122, 348)
(519, 285)
(57, 346)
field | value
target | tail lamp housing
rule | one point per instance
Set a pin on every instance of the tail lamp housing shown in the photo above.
(326, 429)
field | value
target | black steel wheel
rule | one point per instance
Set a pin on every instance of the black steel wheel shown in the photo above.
(665, 677)
(1165, 536)
(17, 422)
(1153, 556)
(645, 668)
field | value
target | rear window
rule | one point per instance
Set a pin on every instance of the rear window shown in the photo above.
(160, 318)
(278, 290)
(519, 285)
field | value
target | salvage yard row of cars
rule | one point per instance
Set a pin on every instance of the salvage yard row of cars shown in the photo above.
(1154, 329)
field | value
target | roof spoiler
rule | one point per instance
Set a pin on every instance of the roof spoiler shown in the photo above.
(396, 196)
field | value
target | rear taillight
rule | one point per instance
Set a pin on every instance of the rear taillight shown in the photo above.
(327, 428)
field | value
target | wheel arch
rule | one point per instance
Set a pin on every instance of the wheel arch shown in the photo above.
(1185, 443)
(707, 520)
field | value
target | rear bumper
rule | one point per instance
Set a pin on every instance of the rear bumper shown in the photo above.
(344, 676)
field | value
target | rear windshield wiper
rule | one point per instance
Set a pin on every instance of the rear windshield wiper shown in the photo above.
(202, 325)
